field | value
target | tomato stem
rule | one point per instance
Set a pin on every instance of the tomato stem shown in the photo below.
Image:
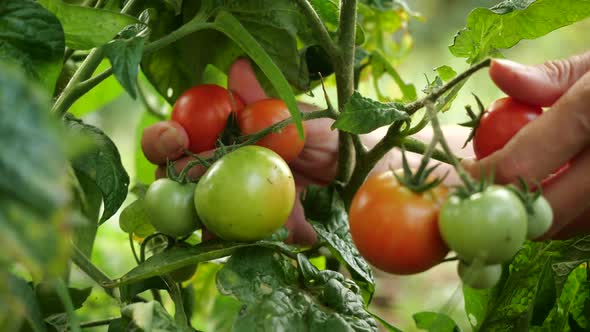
(174, 290)
(132, 245)
(319, 29)
(92, 271)
(440, 138)
(99, 322)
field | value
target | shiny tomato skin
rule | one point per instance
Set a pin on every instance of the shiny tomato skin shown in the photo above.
(246, 195)
(264, 113)
(502, 120)
(203, 111)
(395, 229)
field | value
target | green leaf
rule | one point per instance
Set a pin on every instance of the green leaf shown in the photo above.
(33, 186)
(231, 27)
(89, 200)
(125, 55)
(148, 316)
(511, 21)
(213, 311)
(32, 38)
(380, 65)
(446, 73)
(50, 303)
(17, 302)
(435, 322)
(476, 305)
(545, 298)
(329, 12)
(362, 115)
(134, 219)
(268, 286)
(571, 304)
(176, 258)
(102, 163)
(385, 324)
(336, 233)
(87, 27)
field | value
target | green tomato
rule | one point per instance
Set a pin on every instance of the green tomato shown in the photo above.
(246, 195)
(170, 207)
(490, 225)
(479, 277)
(540, 220)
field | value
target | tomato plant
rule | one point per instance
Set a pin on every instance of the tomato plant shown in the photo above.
(170, 207)
(286, 142)
(247, 195)
(75, 99)
(502, 120)
(396, 229)
(203, 111)
(490, 226)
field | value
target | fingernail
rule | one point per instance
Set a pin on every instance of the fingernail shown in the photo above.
(170, 142)
(516, 67)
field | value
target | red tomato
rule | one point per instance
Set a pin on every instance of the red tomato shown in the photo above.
(502, 120)
(264, 113)
(203, 111)
(395, 229)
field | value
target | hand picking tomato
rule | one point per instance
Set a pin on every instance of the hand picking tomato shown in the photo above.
(490, 226)
(170, 207)
(246, 195)
(395, 229)
(502, 120)
(264, 113)
(203, 111)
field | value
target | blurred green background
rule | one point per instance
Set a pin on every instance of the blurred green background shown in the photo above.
(397, 298)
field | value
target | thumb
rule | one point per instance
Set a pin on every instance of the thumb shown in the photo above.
(539, 85)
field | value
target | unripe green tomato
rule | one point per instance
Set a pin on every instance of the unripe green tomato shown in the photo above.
(170, 207)
(490, 225)
(540, 220)
(246, 195)
(479, 277)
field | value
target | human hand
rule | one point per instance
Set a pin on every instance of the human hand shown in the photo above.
(316, 164)
(557, 137)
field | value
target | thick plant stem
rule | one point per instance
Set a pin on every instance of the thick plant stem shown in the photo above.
(319, 29)
(344, 70)
(92, 271)
(174, 290)
(80, 83)
(73, 90)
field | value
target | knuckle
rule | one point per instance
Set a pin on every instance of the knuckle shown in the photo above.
(560, 70)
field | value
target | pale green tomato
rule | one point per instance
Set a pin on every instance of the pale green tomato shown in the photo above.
(479, 277)
(246, 195)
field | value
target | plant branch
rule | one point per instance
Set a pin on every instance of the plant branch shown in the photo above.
(344, 70)
(319, 29)
(417, 146)
(99, 322)
(179, 313)
(92, 271)
(411, 108)
(440, 137)
(66, 300)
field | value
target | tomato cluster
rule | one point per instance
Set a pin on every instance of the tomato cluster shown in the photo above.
(403, 231)
(245, 195)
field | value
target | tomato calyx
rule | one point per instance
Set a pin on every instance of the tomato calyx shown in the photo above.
(474, 119)
(527, 196)
(418, 181)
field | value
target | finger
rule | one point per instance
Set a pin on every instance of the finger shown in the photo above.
(165, 140)
(242, 81)
(194, 173)
(547, 143)
(568, 195)
(539, 85)
(300, 231)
